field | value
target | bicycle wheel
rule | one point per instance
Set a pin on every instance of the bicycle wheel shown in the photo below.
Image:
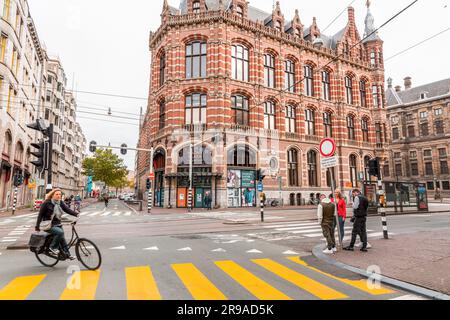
(88, 254)
(47, 260)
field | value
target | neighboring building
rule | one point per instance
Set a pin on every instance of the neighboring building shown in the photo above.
(226, 77)
(419, 118)
(26, 73)
(22, 60)
(69, 143)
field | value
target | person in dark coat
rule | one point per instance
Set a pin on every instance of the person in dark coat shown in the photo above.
(360, 206)
(53, 206)
(208, 201)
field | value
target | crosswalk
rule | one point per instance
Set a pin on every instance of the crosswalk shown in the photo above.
(302, 230)
(290, 278)
(230, 215)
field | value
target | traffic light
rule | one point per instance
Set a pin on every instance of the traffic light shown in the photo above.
(260, 175)
(41, 155)
(148, 184)
(124, 149)
(93, 146)
(374, 167)
(39, 125)
(18, 180)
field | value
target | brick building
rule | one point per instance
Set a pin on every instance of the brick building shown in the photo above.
(419, 119)
(255, 90)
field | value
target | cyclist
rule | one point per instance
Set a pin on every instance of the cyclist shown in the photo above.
(77, 203)
(54, 207)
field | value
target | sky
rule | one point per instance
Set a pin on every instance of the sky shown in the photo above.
(103, 45)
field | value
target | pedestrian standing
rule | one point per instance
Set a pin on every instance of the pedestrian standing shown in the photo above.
(360, 206)
(342, 212)
(208, 201)
(326, 216)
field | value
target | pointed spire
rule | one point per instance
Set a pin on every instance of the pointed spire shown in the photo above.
(370, 25)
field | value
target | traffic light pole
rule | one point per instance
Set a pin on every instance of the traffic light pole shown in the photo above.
(150, 191)
(49, 159)
(381, 207)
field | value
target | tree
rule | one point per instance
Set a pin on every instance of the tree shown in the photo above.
(105, 166)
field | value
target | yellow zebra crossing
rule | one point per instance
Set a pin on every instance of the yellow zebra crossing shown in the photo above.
(142, 285)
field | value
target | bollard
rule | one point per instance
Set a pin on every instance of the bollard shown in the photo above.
(262, 210)
(14, 201)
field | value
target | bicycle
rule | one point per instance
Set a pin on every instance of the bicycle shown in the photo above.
(86, 252)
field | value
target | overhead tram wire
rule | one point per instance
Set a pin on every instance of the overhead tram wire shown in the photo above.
(340, 14)
(109, 121)
(341, 54)
(416, 45)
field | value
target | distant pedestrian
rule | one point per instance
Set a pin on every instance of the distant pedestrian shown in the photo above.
(208, 201)
(342, 212)
(106, 200)
(326, 215)
(360, 206)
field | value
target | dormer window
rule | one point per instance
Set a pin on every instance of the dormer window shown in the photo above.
(240, 11)
(278, 25)
(196, 7)
(423, 95)
(298, 32)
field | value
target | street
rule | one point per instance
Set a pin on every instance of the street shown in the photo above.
(185, 257)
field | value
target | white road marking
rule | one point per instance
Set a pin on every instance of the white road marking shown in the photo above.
(305, 231)
(152, 249)
(219, 250)
(185, 249)
(127, 214)
(290, 252)
(254, 251)
(118, 248)
(409, 297)
(106, 214)
(95, 214)
(8, 240)
(291, 225)
(117, 214)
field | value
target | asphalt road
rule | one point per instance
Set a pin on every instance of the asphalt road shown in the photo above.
(185, 257)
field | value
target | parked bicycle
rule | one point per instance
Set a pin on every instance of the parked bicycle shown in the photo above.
(86, 251)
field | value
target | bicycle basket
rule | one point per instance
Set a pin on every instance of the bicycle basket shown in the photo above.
(37, 240)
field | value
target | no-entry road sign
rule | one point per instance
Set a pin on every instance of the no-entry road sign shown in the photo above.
(327, 148)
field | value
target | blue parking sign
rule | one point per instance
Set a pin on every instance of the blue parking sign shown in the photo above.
(260, 187)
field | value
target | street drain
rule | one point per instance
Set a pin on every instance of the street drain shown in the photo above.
(189, 237)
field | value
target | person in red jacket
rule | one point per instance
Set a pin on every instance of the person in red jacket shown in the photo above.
(342, 211)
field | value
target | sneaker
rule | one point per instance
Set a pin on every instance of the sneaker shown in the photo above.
(369, 246)
(334, 250)
(328, 251)
(70, 257)
(349, 249)
(54, 251)
(364, 249)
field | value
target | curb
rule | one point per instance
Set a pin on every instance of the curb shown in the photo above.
(126, 205)
(428, 293)
(18, 247)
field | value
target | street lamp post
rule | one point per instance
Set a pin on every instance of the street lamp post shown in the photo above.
(191, 154)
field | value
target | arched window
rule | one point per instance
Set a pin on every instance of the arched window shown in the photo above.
(351, 127)
(240, 11)
(196, 7)
(328, 124)
(239, 104)
(293, 167)
(365, 130)
(162, 69)
(349, 89)
(376, 100)
(353, 170)
(8, 144)
(201, 156)
(196, 60)
(326, 86)
(366, 168)
(269, 115)
(162, 114)
(241, 156)
(289, 76)
(312, 168)
(269, 70)
(196, 108)
(363, 93)
(290, 119)
(239, 62)
(309, 81)
(18, 156)
(310, 121)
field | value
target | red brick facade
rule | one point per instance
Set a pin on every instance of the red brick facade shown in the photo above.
(221, 29)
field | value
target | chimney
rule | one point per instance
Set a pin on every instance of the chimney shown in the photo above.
(351, 14)
(398, 88)
(390, 80)
(408, 83)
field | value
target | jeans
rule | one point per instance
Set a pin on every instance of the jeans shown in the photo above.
(58, 238)
(359, 229)
(342, 227)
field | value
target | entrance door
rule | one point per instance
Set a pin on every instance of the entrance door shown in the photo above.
(182, 198)
(199, 196)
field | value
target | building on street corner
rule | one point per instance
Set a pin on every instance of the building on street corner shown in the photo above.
(419, 119)
(257, 90)
(27, 93)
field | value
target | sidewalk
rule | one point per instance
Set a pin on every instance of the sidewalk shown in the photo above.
(422, 259)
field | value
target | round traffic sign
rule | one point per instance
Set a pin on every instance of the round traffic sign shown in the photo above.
(327, 147)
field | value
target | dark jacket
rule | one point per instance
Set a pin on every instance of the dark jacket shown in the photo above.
(362, 208)
(46, 212)
(328, 212)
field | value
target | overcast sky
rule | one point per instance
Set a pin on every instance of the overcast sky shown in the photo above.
(103, 45)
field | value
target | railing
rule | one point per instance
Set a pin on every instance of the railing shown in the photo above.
(195, 127)
(309, 138)
(293, 136)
